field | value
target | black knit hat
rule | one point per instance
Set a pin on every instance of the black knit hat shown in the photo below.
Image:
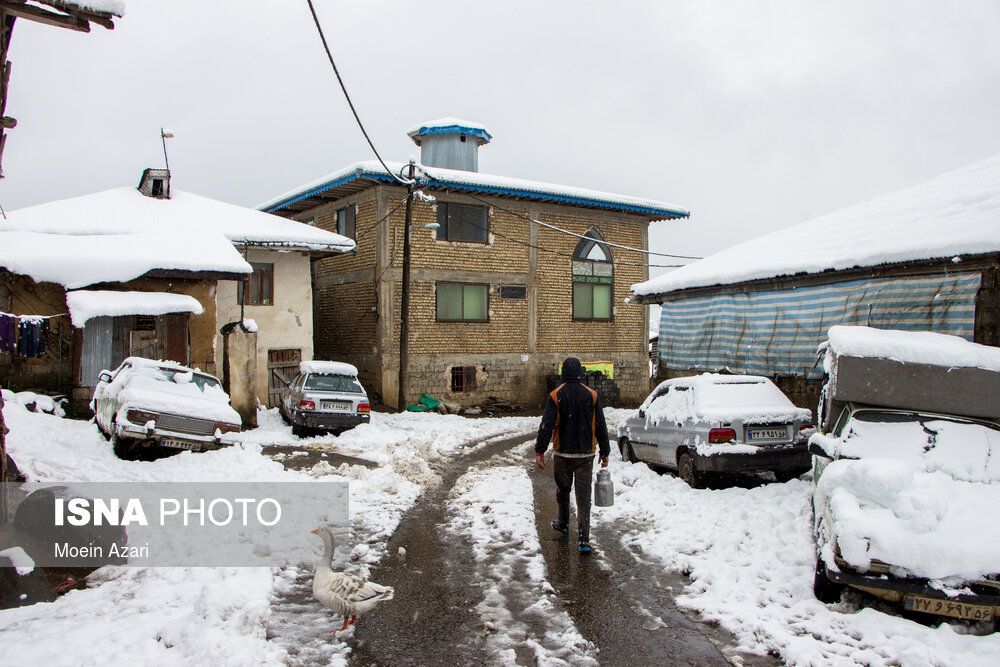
(572, 370)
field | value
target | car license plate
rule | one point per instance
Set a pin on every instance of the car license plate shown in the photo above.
(179, 444)
(340, 406)
(974, 612)
(766, 434)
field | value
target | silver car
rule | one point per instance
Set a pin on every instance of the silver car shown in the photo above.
(148, 407)
(718, 424)
(325, 396)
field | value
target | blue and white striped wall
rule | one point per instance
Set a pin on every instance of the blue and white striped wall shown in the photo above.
(778, 332)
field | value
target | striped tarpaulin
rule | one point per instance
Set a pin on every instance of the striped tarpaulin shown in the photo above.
(777, 333)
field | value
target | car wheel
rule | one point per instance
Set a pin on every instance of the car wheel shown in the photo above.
(299, 431)
(687, 472)
(628, 454)
(787, 475)
(825, 590)
(126, 449)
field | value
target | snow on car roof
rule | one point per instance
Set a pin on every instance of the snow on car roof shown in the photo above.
(915, 347)
(723, 398)
(328, 368)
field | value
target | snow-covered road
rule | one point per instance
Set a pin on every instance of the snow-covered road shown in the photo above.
(747, 551)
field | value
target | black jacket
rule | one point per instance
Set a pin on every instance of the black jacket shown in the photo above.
(574, 421)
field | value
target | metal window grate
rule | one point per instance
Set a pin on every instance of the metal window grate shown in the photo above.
(463, 378)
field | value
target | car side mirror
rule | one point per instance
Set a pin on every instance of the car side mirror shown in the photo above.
(104, 376)
(642, 414)
(818, 449)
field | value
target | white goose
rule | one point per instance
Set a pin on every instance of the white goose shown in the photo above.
(344, 593)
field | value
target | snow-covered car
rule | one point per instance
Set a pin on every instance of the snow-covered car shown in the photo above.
(907, 471)
(713, 423)
(146, 406)
(325, 396)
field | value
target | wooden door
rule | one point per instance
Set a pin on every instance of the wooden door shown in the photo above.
(282, 365)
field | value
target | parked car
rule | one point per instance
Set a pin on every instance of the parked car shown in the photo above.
(906, 467)
(325, 396)
(147, 407)
(714, 423)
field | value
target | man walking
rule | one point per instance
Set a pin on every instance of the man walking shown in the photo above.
(574, 421)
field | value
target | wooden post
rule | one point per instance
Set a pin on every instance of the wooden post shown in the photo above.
(404, 306)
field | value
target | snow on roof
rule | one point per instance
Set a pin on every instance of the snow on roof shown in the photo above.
(126, 210)
(449, 126)
(113, 7)
(79, 261)
(328, 368)
(951, 215)
(456, 179)
(84, 305)
(915, 347)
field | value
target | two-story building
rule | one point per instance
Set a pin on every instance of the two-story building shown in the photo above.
(507, 276)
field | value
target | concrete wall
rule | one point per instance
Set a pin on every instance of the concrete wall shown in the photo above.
(286, 324)
(357, 302)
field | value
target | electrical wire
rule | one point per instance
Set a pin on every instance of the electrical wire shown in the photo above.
(329, 55)
(580, 236)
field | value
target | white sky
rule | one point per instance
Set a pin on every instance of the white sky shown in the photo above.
(754, 115)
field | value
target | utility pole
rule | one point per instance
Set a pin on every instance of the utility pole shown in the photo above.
(404, 308)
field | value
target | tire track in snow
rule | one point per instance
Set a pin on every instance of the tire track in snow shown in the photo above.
(523, 619)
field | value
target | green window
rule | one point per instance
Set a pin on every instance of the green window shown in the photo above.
(591, 302)
(593, 278)
(459, 222)
(462, 302)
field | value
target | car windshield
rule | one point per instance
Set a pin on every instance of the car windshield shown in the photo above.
(180, 376)
(960, 448)
(344, 383)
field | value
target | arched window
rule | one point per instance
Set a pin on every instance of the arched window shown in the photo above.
(593, 278)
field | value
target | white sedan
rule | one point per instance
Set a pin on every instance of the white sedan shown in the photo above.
(147, 407)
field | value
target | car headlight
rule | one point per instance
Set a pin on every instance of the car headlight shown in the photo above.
(140, 417)
(226, 427)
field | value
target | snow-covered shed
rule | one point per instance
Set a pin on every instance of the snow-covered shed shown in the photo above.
(922, 259)
(127, 272)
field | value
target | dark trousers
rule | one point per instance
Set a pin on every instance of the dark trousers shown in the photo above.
(568, 471)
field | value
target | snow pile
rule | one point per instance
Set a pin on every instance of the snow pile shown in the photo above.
(898, 227)
(84, 305)
(328, 368)
(79, 261)
(34, 402)
(713, 398)
(750, 556)
(917, 347)
(915, 500)
(494, 508)
(126, 211)
(168, 387)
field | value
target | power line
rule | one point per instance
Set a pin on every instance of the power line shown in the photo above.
(580, 236)
(329, 55)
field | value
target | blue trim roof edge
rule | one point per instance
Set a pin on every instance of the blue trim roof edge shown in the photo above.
(451, 129)
(373, 175)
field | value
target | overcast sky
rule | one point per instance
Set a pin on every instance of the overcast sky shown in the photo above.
(754, 115)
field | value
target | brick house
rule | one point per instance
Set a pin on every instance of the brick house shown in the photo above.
(500, 294)
(926, 258)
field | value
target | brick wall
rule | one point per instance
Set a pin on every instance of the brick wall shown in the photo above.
(523, 341)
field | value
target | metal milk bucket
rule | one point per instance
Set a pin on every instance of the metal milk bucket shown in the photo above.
(604, 490)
